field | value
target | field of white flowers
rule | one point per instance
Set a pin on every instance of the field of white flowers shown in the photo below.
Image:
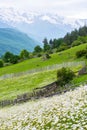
(65, 112)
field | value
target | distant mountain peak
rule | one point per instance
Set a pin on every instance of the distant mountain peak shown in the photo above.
(39, 25)
(13, 16)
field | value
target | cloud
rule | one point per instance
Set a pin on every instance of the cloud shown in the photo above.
(67, 8)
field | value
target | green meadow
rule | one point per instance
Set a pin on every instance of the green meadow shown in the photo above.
(10, 88)
(56, 58)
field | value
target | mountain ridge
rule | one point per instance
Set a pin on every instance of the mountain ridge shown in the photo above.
(14, 41)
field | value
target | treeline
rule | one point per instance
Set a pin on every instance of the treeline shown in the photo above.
(10, 58)
(76, 37)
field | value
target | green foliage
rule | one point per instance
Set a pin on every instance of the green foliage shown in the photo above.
(64, 76)
(15, 59)
(68, 55)
(24, 54)
(83, 31)
(39, 55)
(76, 43)
(46, 46)
(55, 43)
(26, 83)
(37, 49)
(81, 53)
(7, 57)
(62, 47)
(79, 36)
(46, 56)
(1, 63)
(80, 40)
(74, 35)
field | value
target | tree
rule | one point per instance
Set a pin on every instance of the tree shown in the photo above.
(24, 54)
(15, 59)
(83, 31)
(67, 39)
(1, 63)
(76, 43)
(62, 47)
(64, 76)
(51, 43)
(7, 57)
(57, 42)
(37, 49)
(46, 45)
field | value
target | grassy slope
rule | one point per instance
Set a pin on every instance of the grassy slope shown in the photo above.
(68, 55)
(10, 88)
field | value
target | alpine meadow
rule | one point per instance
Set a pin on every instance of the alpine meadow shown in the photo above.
(43, 65)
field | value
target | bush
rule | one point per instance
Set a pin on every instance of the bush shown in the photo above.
(15, 59)
(39, 55)
(64, 76)
(80, 53)
(1, 63)
(46, 56)
(62, 47)
(76, 43)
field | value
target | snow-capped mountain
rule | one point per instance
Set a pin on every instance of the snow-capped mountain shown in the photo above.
(39, 25)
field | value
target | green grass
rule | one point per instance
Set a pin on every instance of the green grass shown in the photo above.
(80, 79)
(57, 58)
(10, 88)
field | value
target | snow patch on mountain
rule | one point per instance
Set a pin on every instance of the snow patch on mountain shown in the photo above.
(13, 17)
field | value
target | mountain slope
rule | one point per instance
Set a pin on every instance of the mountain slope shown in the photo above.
(14, 41)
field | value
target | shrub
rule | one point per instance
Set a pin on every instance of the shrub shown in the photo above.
(39, 55)
(1, 63)
(80, 53)
(46, 56)
(7, 57)
(64, 76)
(15, 59)
(62, 47)
(76, 43)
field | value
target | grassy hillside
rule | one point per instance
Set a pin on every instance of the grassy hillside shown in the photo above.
(64, 112)
(57, 58)
(10, 88)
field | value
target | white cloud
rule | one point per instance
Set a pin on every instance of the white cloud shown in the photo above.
(68, 8)
(49, 19)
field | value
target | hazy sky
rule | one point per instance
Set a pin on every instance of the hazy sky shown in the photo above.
(69, 8)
